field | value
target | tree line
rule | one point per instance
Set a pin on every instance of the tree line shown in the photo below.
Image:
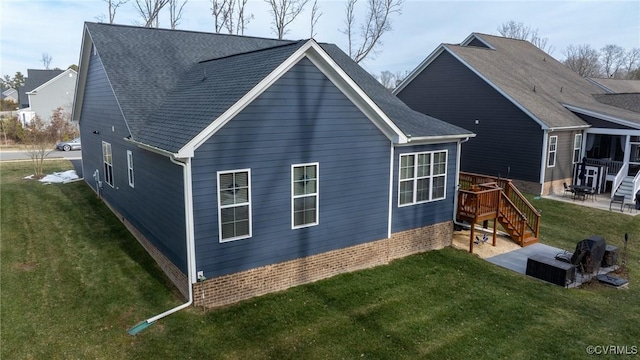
(611, 61)
(364, 33)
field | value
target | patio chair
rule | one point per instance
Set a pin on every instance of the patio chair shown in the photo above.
(567, 189)
(591, 193)
(617, 199)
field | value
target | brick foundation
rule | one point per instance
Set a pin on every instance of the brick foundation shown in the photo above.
(229, 289)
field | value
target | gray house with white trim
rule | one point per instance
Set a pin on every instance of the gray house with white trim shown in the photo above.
(535, 119)
(247, 165)
(44, 91)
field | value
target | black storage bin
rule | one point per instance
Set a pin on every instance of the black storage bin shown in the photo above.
(551, 270)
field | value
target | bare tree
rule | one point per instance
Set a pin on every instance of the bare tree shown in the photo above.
(611, 60)
(284, 12)
(39, 144)
(514, 30)
(230, 15)
(631, 62)
(520, 31)
(583, 60)
(377, 22)
(219, 11)
(113, 6)
(230, 23)
(175, 12)
(242, 19)
(46, 60)
(149, 10)
(315, 15)
(390, 80)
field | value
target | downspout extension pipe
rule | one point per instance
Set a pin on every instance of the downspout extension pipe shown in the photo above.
(186, 167)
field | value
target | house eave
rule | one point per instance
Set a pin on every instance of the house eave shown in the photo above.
(159, 151)
(613, 119)
(423, 140)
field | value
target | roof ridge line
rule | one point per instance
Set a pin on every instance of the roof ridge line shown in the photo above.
(253, 51)
(184, 31)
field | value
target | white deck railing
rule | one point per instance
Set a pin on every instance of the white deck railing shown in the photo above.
(622, 173)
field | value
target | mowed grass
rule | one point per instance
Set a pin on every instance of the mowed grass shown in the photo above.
(74, 280)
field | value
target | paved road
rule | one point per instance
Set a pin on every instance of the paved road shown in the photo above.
(22, 155)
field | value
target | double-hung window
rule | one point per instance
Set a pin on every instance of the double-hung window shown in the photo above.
(107, 158)
(553, 145)
(423, 177)
(234, 204)
(304, 195)
(130, 167)
(577, 146)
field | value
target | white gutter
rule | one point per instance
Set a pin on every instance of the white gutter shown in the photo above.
(191, 265)
(436, 139)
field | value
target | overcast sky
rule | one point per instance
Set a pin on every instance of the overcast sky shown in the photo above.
(32, 27)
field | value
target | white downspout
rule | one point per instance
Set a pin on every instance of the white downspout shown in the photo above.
(543, 158)
(191, 266)
(457, 187)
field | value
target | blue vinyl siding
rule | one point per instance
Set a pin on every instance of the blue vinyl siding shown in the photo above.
(429, 213)
(302, 118)
(156, 205)
(449, 91)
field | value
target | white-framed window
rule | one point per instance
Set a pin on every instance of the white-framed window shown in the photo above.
(553, 146)
(130, 167)
(304, 195)
(423, 177)
(577, 147)
(107, 158)
(234, 204)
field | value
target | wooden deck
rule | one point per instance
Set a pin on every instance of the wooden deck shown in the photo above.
(482, 198)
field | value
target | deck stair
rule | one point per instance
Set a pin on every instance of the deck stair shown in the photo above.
(626, 189)
(482, 198)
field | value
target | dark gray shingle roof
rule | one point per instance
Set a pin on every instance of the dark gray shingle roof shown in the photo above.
(157, 76)
(208, 89)
(409, 121)
(537, 81)
(35, 78)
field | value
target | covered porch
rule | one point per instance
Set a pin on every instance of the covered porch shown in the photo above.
(611, 163)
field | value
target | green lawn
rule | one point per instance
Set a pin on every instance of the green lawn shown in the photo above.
(74, 280)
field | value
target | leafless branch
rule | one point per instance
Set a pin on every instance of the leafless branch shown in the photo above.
(315, 15)
(520, 31)
(113, 6)
(583, 60)
(149, 10)
(175, 12)
(612, 60)
(284, 12)
(46, 60)
(377, 22)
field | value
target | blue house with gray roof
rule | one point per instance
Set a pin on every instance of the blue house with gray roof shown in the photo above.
(247, 165)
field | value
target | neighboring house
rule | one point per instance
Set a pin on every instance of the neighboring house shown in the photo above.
(258, 164)
(10, 94)
(535, 119)
(44, 91)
